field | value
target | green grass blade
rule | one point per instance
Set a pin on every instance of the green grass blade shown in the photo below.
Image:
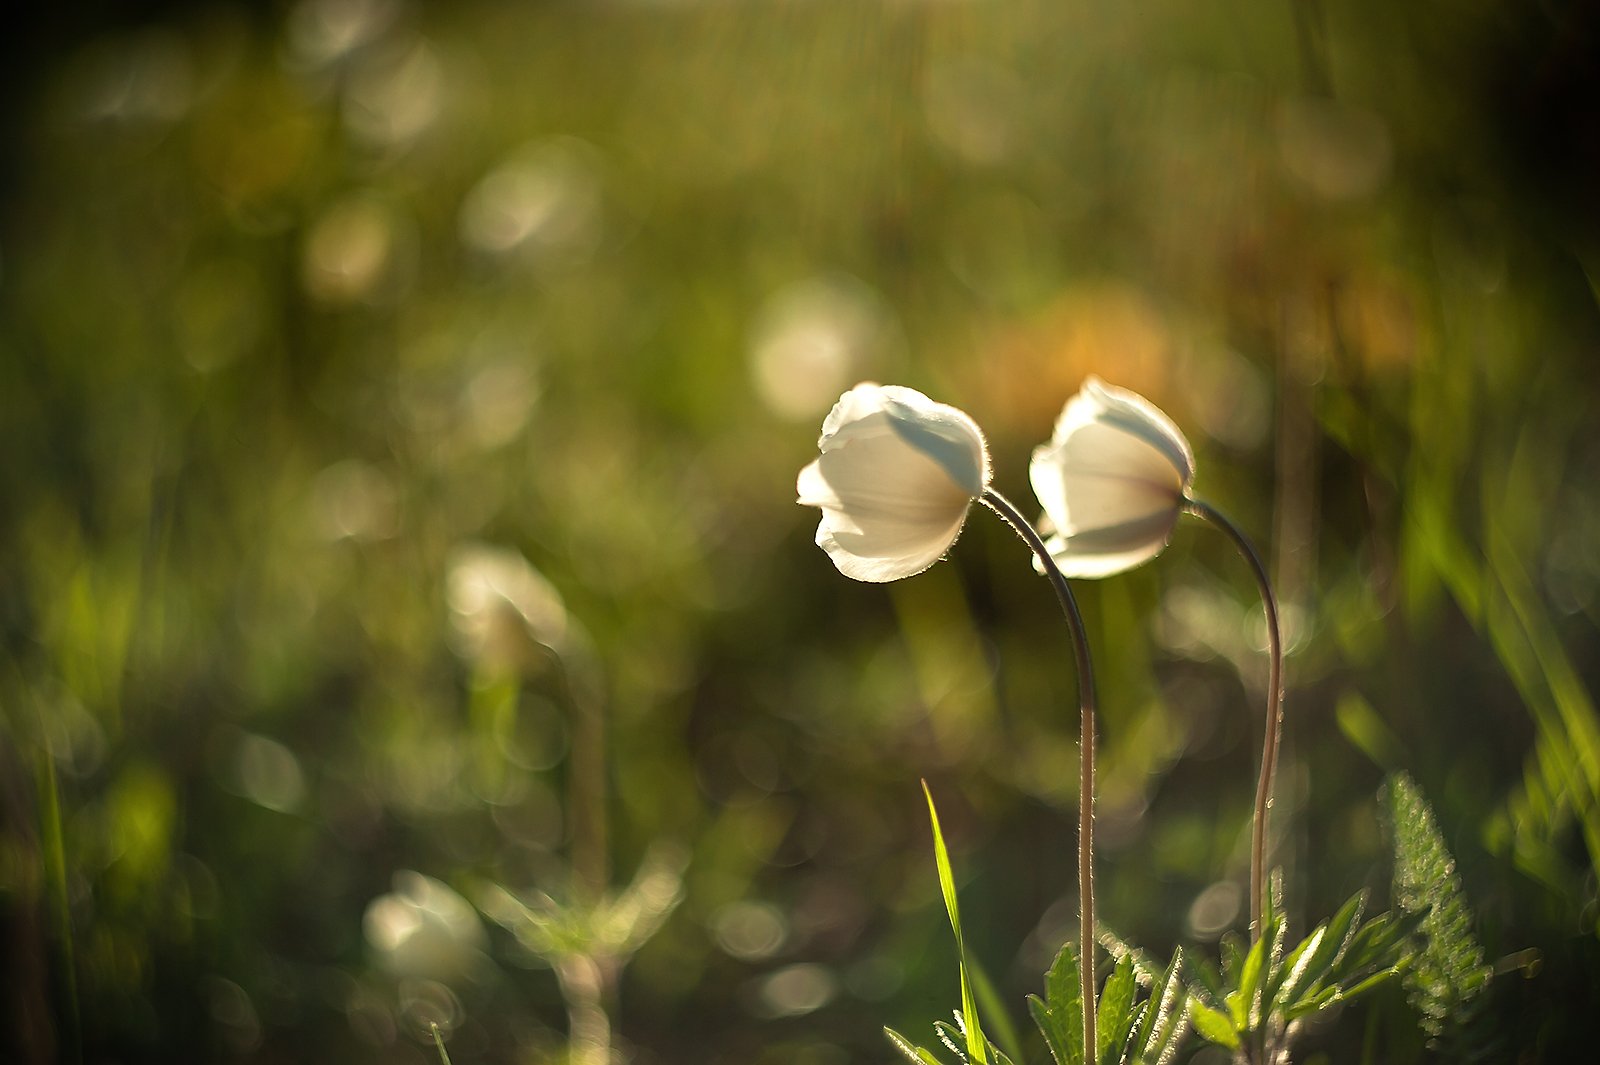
(1006, 1036)
(913, 1053)
(438, 1041)
(55, 870)
(977, 1045)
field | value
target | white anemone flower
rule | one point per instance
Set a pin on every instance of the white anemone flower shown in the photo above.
(425, 930)
(1113, 480)
(896, 477)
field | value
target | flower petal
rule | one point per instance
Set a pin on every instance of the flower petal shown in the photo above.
(895, 479)
(1112, 480)
(1098, 402)
(889, 510)
(946, 435)
(1114, 459)
(882, 554)
(1104, 552)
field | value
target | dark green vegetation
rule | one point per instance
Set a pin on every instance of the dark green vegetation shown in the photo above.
(300, 307)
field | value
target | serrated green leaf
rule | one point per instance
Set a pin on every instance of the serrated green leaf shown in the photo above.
(1116, 1006)
(1376, 980)
(1165, 1013)
(1129, 1051)
(1232, 954)
(1060, 1014)
(1144, 973)
(1064, 1000)
(1345, 923)
(1371, 940)
(953, 1036)
(1062, 984)
(1313, 1004)
(1204, 981)
(1139, 1030)
(1384, 941)
(1445, 977)
(1171, 1035)
(1277, 931)
(909, 1050)
(1241, 1000)
(1295, 975)
(1213, 1025)
(977, 1046)
(1057, 1040)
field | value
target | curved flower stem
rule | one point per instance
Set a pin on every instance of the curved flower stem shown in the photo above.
(1269, 745)
(1086, 739)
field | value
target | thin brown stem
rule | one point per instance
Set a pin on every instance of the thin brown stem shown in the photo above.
(1274, 726)
(1086, 740)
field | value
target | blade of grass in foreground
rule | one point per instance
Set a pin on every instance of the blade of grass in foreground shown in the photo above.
(438, 1041)
(55, 866)
(977, 1045)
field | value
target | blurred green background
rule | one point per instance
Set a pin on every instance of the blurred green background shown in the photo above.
(400, 407)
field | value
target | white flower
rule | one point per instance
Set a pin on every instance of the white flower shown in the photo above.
(1112, 480)
(895, 479)
(500, 607)
(425, 930)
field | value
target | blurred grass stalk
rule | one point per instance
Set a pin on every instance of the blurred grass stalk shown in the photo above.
(587, 981)
(54, 854)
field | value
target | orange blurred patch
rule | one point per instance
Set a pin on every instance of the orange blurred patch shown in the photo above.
(1108, 328)
(1378, 322)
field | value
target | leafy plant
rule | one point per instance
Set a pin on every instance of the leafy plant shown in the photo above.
(966, 1039)
(1131, 1030)
(1257, 1002)
(1445, 982)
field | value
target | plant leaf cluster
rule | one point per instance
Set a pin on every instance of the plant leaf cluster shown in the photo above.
(1132, 1029)
(1257, 1000)
(1446, 979)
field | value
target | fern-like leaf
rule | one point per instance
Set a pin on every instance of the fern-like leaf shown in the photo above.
(1448, 973)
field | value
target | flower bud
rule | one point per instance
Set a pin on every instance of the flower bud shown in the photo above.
(1112, 481)
(896, 477)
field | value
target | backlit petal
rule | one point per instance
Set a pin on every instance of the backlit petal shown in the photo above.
(895, 479)
(1112, 480)
(1103, 552)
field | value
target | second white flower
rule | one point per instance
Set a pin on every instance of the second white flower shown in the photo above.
(1112, 481)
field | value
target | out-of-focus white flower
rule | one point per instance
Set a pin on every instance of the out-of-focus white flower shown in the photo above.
(424, 930)
(499, 604)
(1112, 480)
(895, 479)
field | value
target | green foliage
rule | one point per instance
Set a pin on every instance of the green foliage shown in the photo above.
(613, 926)
(1448, 975)
(297, 300)
(971, 1029)
(1131, 1028)
(1059, 1014)
(1255, 1002)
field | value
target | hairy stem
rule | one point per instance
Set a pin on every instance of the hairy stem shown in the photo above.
(1086, 739)
(584, 981)
(1274, 726)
